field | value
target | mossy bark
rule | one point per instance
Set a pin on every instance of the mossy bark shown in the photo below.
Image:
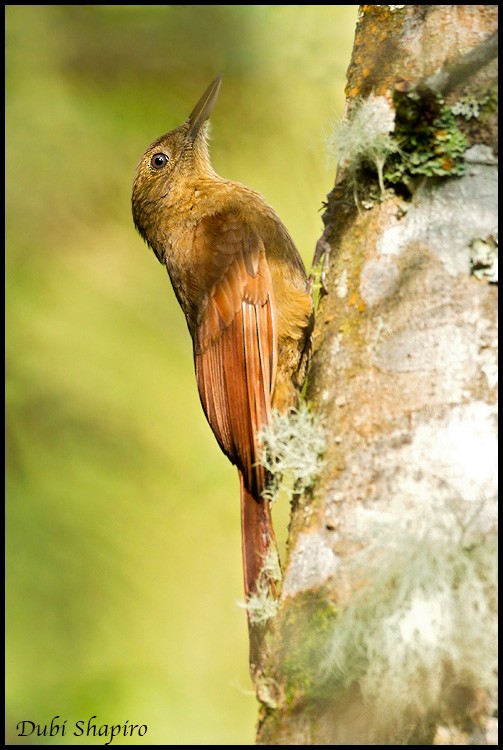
(403, 377)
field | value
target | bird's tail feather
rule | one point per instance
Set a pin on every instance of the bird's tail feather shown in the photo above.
(258, 542)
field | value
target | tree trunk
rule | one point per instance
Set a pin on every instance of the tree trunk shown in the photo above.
(385, 632)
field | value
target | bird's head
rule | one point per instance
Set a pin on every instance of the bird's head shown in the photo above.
(172, 160)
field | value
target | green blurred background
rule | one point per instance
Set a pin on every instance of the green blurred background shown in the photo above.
(123, 535)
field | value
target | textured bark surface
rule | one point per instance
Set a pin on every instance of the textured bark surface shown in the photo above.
(404, 378)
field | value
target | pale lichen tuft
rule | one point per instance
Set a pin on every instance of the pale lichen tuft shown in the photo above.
(293, 445)
(365, 138)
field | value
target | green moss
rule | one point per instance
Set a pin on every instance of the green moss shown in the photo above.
(305, 628)
(430, 142)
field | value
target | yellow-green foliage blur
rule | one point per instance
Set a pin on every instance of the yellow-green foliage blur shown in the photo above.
(123, 534)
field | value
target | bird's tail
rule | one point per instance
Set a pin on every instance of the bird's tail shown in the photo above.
(261, 572)
(258, 544)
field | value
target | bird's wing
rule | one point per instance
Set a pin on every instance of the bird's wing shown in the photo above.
(235, 344)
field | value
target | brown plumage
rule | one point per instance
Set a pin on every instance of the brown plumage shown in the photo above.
(242, 286)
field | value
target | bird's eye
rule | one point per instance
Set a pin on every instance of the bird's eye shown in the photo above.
(158, 161)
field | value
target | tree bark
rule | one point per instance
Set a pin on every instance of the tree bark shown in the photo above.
(385, 632)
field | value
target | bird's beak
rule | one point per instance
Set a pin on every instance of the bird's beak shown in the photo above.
(203, 108)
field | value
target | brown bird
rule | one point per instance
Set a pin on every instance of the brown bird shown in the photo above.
(242, 286)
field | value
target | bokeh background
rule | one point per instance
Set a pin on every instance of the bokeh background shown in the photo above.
(123, 539)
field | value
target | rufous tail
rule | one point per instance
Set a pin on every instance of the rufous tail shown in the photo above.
(258, 542)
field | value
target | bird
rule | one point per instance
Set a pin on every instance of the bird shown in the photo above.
(243, 288)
